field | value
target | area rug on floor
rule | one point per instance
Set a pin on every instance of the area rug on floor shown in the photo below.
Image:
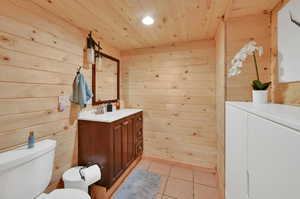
(140, 184)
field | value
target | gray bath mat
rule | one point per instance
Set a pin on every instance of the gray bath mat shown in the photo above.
(140, 184)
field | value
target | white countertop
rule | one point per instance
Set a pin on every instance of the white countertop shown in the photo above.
(282, 114)
(107, 117)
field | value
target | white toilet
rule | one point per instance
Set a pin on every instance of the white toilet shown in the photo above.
(26, 173)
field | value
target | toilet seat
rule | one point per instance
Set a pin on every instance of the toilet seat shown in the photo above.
(66, 194)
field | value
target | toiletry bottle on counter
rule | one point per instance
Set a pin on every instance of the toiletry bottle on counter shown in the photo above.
(118, 105)
(31, 140)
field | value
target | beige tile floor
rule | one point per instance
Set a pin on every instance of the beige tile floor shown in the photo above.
(182, 183)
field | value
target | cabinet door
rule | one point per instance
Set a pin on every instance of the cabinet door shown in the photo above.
(117, 150)
(235, 153)
(273, 160)
(130, 141)
(127, 134)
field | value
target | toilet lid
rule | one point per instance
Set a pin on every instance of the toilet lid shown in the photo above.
(68, 194)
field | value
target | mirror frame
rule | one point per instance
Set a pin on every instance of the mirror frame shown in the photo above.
(94, 76)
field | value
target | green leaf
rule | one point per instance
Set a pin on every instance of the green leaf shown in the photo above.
(266, 85)
(258, 85)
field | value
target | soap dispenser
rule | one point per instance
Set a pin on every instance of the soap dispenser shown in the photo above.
(31, 140)
(118, 105)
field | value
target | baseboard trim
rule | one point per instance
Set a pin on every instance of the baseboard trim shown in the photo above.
(208, 170)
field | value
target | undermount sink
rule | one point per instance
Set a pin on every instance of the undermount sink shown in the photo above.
(108, 116)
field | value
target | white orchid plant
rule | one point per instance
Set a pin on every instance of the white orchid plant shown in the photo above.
(250, 49)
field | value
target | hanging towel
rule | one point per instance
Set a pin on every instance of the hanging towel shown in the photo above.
(81, 91)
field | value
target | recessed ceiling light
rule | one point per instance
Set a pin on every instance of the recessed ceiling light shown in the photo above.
(148, 20)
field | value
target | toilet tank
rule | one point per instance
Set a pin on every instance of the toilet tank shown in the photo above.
(25, 173)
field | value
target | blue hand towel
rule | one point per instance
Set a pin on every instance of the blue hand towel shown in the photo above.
(81, 91)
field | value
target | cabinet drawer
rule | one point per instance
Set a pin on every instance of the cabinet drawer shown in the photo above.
(139, 132)
(139, 139)
(139, 121)
(139, 149)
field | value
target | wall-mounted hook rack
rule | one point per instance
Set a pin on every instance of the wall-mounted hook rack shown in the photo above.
(78, 69)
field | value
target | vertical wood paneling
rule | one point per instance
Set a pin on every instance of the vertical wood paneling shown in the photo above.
(39, 55)
(175, 85)
(220, 102)
(283, 93)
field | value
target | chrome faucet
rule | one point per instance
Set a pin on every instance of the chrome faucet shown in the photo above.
(100, 109)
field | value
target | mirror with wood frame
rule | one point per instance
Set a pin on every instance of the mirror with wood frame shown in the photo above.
(106, 80)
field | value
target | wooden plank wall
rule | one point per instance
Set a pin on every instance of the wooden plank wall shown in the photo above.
(175, 85)
(239, 31)
(283, 93)
(220, 102)
(230, 38)
(39, 54)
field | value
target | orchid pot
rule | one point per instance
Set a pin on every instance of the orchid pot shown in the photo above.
(260, 92)
(260, 96)
(260, 89)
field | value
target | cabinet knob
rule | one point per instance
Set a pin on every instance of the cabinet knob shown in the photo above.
(140, 132)
(140, 119)
(140, 148)
(125, 123)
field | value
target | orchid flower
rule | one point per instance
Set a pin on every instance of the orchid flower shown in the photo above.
(248, 50)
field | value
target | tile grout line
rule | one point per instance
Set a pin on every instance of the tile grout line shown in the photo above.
(183, 179)
(167, 180)
(209, 186)
(189, 181)
(165, 186)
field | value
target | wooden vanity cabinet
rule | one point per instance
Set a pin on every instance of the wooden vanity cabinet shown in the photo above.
(113, 146)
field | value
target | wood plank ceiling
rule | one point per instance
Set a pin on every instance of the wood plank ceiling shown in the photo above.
(118, 22)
